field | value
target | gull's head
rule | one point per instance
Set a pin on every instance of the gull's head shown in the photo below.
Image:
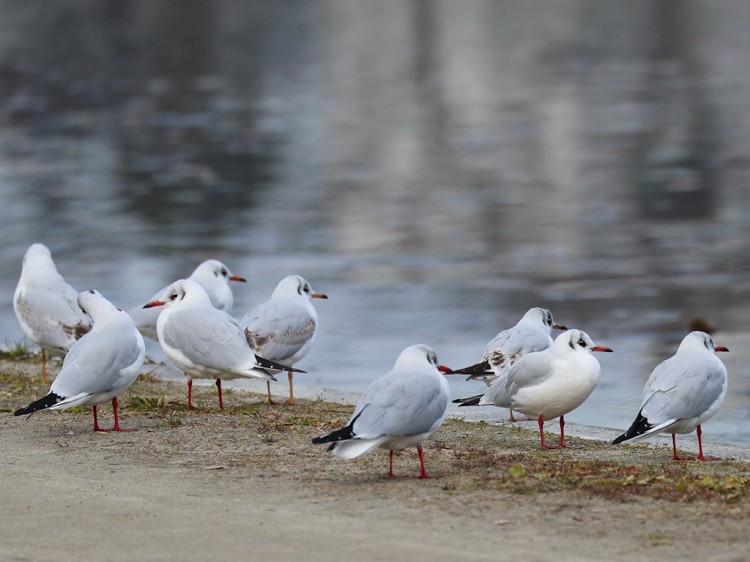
(576, 341)
(701, 342)
(420, 355)
(212, 272)
(181, 292)
(296, 286)
(38, 257)
(542, 316)
(93, 303)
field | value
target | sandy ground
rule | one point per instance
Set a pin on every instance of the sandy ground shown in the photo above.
(247, 484)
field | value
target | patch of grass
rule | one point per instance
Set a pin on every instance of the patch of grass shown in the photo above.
(16, 350)
(659, 538)
(145, 403)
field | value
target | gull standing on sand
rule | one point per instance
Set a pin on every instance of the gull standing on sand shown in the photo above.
(98, 367)
(283, 328)
(550, 383)
(212, 275)
(398, 410)
(682, 393)
(46, 306)
(205, 342)
(531, 333)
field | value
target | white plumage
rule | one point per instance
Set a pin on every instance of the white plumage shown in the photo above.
(283, 328)
(98, 367)
(212, 275)
(400, 409)
(45, 305)
(531, 333)
(550, 383)
(682, 393)
(203, 341)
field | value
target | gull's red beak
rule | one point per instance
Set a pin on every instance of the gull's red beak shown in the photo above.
(601, 348)
(444, 369)
(559, 327)
(319, 296)
(721, 348)
(238, 278)
(153, 304)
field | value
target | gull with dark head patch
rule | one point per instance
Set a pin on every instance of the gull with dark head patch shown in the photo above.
(46, 307)
(398, 410)
(548, 384)
(283, 328)
(205, 342)
(682, 393)
(98, 367)
(212, 275)
(531, 333)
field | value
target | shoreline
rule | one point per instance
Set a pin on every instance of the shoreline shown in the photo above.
(491, 416)
(246, 483)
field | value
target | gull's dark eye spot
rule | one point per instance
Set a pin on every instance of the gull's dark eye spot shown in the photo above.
(582, 343)
(224, 272)
(173, 296)
(92, 291)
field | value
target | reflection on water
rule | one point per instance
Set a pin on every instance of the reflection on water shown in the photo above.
(435, 167)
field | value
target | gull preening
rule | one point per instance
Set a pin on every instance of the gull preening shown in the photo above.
(682, 393)
(282, 329)
(46, 305)
(212, 275)
(205, 342)
(548, 384)
(98, 367)
(531, 333)
(398, 410)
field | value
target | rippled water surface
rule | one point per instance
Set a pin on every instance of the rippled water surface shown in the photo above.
(436, 168)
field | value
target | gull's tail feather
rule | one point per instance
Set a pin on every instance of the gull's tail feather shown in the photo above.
(354, 447)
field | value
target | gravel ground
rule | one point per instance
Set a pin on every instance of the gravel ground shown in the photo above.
(246, 483)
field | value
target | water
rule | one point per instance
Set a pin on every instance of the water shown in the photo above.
(436, 168)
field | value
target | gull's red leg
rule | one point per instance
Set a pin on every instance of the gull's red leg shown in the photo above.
(96, 422)
(675, 457)
(221, 400)
(423, 473)
(701, 457)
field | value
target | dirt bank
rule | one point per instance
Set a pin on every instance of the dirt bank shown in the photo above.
(247, 484)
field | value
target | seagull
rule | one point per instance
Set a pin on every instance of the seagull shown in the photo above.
(283, 328)
(205, 342)
(212, 275)
(682, 393)
(98, 367)
(531, 333)
(550, 383)
(46, 306)
(399, 409)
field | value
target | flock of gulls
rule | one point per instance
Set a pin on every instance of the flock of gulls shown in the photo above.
(523, 368)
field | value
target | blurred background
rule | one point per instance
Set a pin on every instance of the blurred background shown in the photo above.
(435, 167)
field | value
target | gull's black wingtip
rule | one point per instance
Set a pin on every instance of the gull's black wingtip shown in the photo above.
(42, 404)
(639, 427)
(470, 401)
(268, 364)
(479, 369)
